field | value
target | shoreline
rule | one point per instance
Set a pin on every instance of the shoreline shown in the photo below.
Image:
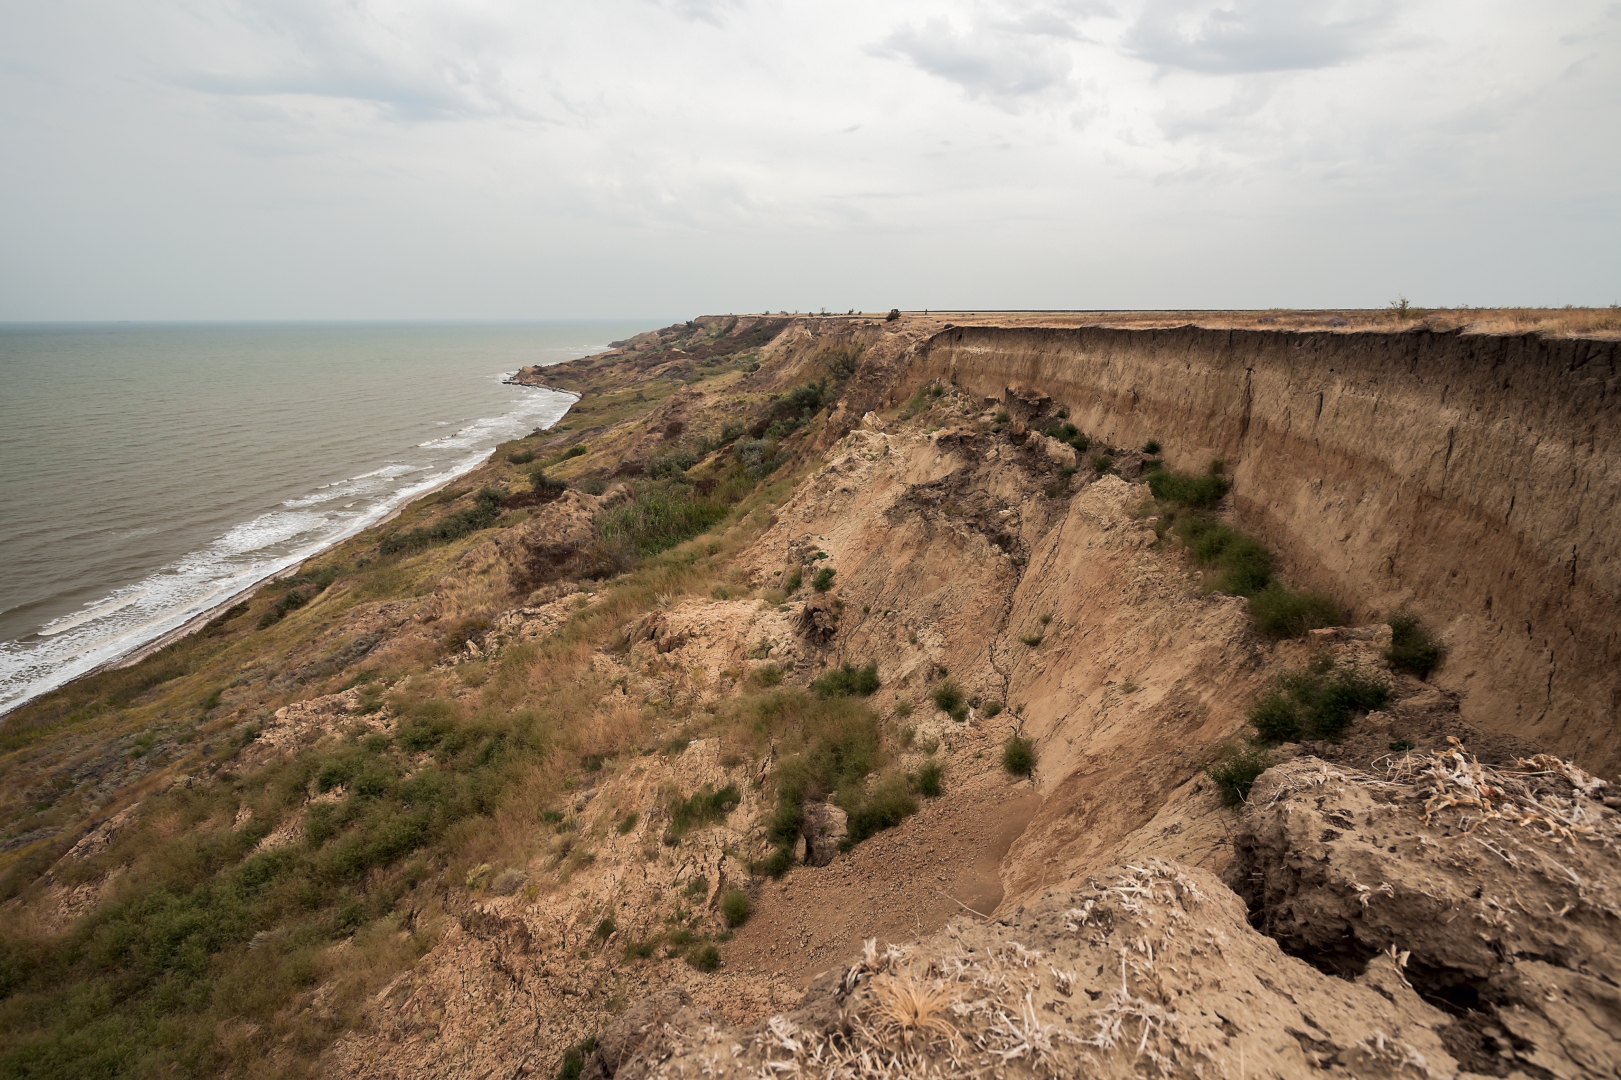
(208, 614)
(137, 653)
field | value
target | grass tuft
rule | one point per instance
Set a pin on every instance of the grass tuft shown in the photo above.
(1019, 755)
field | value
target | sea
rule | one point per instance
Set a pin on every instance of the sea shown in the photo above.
(149, 472)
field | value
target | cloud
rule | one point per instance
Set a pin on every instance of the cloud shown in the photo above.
(1248, 36)
(1001, 63)
(705, 11)
(424, 70)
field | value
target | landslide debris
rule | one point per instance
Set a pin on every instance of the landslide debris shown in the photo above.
(1500, 885)
(1459, 920)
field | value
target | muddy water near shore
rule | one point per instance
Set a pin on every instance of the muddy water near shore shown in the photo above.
(151, 471)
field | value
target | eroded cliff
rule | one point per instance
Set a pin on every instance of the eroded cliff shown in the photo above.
(1477, 477)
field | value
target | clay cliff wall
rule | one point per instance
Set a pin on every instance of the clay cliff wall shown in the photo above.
(1476, 478)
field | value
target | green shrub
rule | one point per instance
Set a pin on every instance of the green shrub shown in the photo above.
(605, 929)
(948, 698)
(1413, 648)
(705, 807)
(628, 822)
(482, 514)
(1235, 772)
(823, 580)
(1151, 447)
(1318, 701)
(1032, 639)
(1102, 463)
(888, 804)
(735, 907)
(1241, 566)
(992, 708)
(848, 681)
(521, 457)
(706, 958)
(670, 463)
(793, 580)
(930, 780)
(1186, 490)
(1280, 612)
(1019, 755)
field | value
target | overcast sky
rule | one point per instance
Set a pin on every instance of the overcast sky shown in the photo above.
(278, 159)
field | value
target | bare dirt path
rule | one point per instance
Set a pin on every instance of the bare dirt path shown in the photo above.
(901, 885)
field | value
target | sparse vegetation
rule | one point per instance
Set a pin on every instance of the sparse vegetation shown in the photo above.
(735, 907)
(1413, 648)
(930, 780)
(1236, 770)
(706, 807)
(1318, 701)
(1019, 755)
(482, 514)
(574, 1059)
(823, 580)
(948, 699)
(847, 680)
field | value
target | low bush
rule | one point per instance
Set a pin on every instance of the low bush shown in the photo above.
(1318, 701)
(706, 807)
(671, 463)
(1068, 433)
(1413, 648)
(992, 708)
(1151, 447)
(948, 698)
(521, 457)
(1280, 612)
(888, 804)
(823, 580)
(1186, 490)
(546, 488)
(705, 958)
(848, 681)
(930, 782)
(1235, 772)
(735, 907)
(484, 512)
(1019, 755)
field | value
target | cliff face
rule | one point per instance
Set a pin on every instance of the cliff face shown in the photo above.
(1477, 478)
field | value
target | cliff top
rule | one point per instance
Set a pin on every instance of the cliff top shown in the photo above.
(1604, 322)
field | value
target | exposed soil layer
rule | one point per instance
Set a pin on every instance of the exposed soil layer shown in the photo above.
(1476, 477)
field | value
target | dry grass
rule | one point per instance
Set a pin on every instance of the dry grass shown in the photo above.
(910, 1010)
(1602, 322)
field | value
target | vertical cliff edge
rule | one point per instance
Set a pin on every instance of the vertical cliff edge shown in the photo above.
(1475, 477)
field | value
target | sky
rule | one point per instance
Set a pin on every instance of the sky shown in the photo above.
(516, 159)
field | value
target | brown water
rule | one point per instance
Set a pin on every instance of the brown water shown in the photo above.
(150, 471)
